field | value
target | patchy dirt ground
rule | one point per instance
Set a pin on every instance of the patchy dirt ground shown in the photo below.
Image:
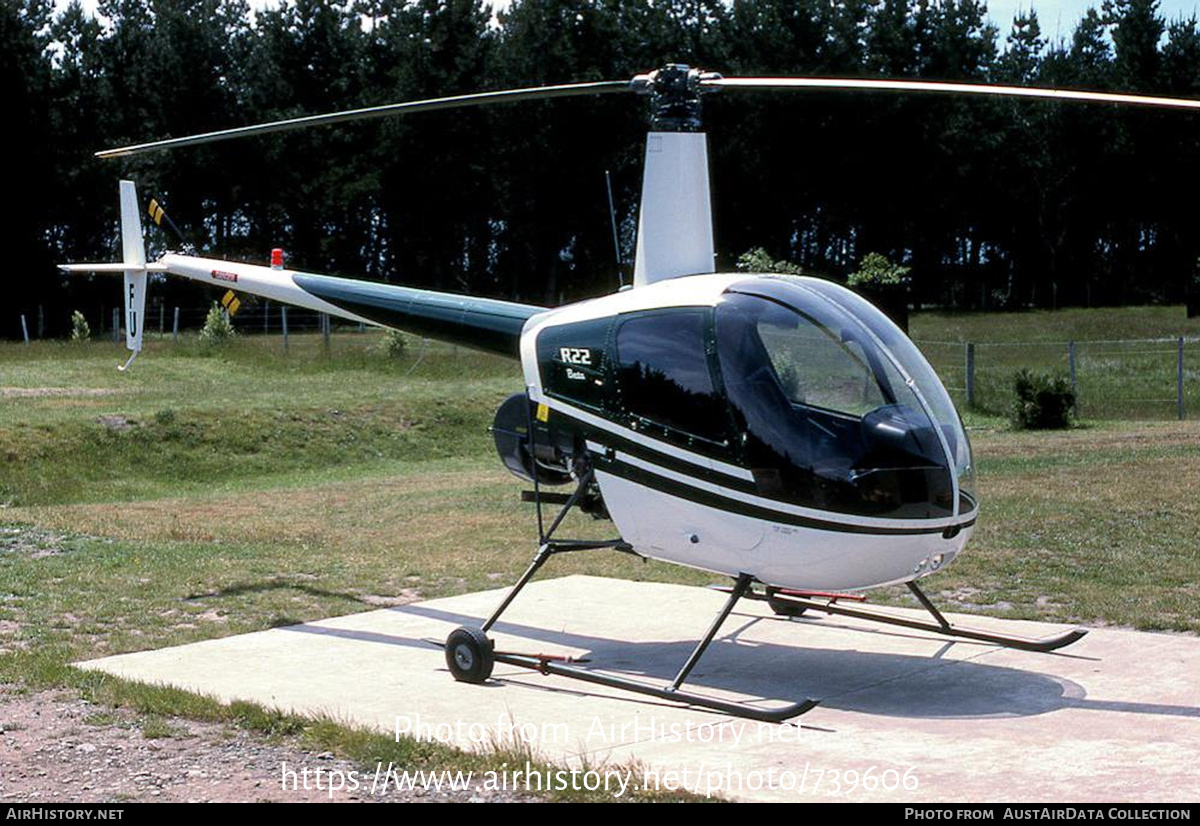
(43, 392)
(55, 747)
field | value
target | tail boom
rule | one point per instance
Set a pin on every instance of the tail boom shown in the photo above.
(483, 323)
(267, 282)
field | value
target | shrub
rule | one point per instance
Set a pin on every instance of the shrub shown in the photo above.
(80, 330)
(392, 344)
(877, 270)
(217, 329)
(757, 260)
(1043, 401)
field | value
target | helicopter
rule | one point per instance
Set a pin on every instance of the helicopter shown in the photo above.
(778, 430)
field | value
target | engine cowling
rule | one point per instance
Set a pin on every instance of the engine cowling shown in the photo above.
(552, 452)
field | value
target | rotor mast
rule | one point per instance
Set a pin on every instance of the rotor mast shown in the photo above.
(675, 232)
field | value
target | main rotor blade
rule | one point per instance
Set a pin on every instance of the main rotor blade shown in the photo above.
(874, 85)
(408, 107)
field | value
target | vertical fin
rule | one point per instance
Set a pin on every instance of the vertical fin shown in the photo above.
(134, 256)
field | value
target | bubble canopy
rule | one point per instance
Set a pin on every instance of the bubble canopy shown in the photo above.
(839, 409)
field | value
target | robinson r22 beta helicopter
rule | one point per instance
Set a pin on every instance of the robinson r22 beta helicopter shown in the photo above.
(779, 430)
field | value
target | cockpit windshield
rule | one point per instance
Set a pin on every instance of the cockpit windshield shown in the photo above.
(924, 379)
(818, 367)
(831, 420)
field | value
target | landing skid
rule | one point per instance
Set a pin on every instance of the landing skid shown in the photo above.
(470, 653)
(796, 603)
(774, 715)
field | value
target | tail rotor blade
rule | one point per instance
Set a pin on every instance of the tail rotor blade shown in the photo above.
(159, 216)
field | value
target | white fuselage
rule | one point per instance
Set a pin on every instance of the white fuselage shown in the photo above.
(658, 515)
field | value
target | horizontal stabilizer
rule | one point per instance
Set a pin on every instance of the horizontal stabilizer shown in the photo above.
(111, 268)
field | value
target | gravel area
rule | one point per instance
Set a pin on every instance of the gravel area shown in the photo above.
(55, 748)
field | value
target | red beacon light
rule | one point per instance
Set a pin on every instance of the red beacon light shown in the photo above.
(277, 259)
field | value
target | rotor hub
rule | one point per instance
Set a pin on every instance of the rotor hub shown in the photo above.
(675, 92)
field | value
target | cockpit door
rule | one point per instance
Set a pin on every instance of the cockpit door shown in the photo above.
(666, 387)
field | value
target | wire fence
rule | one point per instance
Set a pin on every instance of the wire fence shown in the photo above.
(1154, 378)
(261, 318)
(1150, 378)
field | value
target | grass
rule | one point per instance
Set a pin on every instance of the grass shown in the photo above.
(191, 419)
(1099, 525)
(207, 493)
(1072, 324)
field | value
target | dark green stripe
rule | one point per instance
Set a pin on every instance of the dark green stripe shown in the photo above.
(484, 323)
(723, 503)
(653, 455)
(650, 453)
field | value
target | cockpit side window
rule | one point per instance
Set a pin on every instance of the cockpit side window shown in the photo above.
(664, 379)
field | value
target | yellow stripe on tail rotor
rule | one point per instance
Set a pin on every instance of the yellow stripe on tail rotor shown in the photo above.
(156, 212)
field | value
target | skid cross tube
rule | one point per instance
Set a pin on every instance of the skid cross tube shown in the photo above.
(929, 606)
(543, 554)
(941, 626)
(739, 590)
(550, 546)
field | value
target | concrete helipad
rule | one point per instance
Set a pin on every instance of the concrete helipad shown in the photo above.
(1115, 717)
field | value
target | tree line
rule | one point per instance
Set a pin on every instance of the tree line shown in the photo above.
(992, 203)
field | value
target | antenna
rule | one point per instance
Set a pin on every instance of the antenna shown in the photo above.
(612, 217)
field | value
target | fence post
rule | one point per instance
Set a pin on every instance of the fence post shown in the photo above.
(325, 330)
(41, 322)
(1179, 380)
(162, 318)
(266, 317)
(1074, 380)
(283, 313)
(24, 330)
(116, 326)
(970, 375)
(175, 326)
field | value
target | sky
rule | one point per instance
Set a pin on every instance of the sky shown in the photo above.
(1058, 17)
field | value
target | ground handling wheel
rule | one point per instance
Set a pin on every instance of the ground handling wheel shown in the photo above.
(469, 655)
(783, 607)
